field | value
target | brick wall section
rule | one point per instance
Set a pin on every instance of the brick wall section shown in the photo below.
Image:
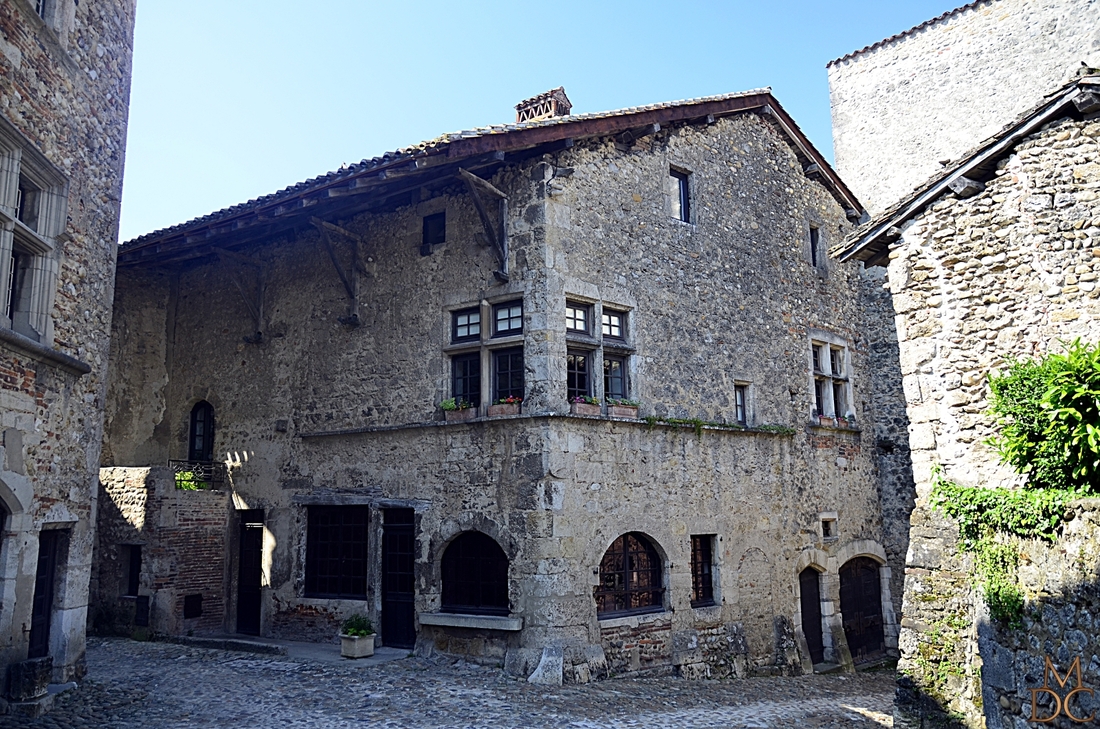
(184, 541)
(1005, 274)
(934, 94)
(642, 645)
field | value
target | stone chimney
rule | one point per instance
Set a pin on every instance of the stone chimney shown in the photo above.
(551, 103)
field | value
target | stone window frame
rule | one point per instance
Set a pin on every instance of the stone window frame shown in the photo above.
(651, 596)
(487, 344)
(828, 525)
(474, 565)
(821, 375)
(573, 372)
(597, 345)
(704, 570)
(575, 310)
(35, 237)
(458, 324)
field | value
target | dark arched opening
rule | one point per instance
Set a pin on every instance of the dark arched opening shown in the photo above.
(475, 576)
(809, 584)
(630, 578)
(200, 443)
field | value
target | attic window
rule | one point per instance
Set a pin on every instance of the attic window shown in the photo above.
(680, 194)
(434, 232)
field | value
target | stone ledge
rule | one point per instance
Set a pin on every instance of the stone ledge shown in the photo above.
(42, 353)
(634, 621)
(476, 622)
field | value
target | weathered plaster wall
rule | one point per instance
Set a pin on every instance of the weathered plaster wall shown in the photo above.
(729, 297)
(1008, 273)
(900, 108)
(64, 85)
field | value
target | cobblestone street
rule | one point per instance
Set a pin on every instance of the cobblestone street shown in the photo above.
(146, 685)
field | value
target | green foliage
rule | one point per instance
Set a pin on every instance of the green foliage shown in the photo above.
(357, 626)
(189, 481)
(455, 404)
(1048, 412)
(996, 565)
(624, 402)
(939, 656)
(697, 425)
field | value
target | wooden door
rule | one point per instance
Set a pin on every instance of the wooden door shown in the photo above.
(810, 589)
(45, 580)
(250, 572)
(398, 580)
(861, 608)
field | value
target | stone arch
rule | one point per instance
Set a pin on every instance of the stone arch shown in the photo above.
(632, 576)
(16, 493)
(817, 561)
(474, 575)
(871, 550)
(459, 524)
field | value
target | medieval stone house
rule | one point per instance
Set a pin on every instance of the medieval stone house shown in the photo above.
(292, 354)
(64, 92)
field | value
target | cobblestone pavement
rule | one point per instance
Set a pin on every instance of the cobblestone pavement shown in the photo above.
(135, 685)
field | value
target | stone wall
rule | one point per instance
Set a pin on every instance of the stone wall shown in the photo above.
(184, 540)
(977, 282)
(908, 102)
(320, 413)
(64, 93)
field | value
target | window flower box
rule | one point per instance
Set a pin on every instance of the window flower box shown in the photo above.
(622, 408)
(585, 405)
(825, 420)
(506, 406)
(455, 410)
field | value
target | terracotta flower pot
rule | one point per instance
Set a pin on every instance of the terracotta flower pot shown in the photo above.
(457, 416)
(623, 411)
(504, 408)
(584, 408)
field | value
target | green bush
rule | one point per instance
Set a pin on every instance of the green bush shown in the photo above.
(1048, 412)
(357, 625)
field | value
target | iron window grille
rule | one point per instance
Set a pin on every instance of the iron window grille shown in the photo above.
(336, 552)
(702, 570)
(613, 324)
(475, 576)
(578, 374)
(740, 404)
(466, 377)
(194, 475)
(508, 319)
(680, 192)
(577, 317)
(466, 325)
(508, 373)
(630, 578)
(614, 378)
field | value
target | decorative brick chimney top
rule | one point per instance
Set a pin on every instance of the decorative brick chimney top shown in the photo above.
(551, 103)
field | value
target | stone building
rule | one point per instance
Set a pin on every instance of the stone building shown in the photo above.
(908, 103)
(995, 258)
(64, 94)
(294, 352)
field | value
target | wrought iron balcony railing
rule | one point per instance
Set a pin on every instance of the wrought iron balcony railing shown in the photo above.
(195, 475)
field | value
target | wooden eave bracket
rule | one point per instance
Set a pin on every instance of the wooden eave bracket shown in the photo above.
(624, 141)
(253, 297)
(497, 234)
(349, 278)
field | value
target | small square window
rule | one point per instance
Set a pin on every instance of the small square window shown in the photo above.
(435, 230)
(508, 318)
(828, 528)
(614, 324)
(192, 606)
(702, 570)
(614, 378)
(819, 358)
(466, 378)
(680, 193)
(815, 246)
(508, 373)
(466, 325)
(578, 374)
(740, 404)
(577, 317)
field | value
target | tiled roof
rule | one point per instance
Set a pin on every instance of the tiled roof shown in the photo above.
(430, 146)
(907, 33)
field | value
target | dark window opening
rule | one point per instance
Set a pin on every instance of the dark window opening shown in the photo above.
(508, 372)
(192, 606)
(28, 197)
(201, 439)
(18, 272)
(630, 578)
(578, 375)
(828, 528)
(815, 244)
(740, 404)
(680, 192)
(614, 378)
(840, 404)
(434, 232)
(702, 570)
(508, 319)
(336, 552)
(577, 317)
(475, 576)
(818, 354)
(819, 396)
(613, 324)
(466, 378)
(466, 325)
(132, 556)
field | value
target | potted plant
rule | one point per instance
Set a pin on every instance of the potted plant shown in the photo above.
(505, 406)
(458, 409)
(622, 408)
(584, 405)
(357, 637)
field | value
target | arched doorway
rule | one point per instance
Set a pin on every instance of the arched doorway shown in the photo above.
(861, 608)
(809, 583)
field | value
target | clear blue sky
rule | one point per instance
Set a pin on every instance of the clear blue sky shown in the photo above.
(236, 99)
